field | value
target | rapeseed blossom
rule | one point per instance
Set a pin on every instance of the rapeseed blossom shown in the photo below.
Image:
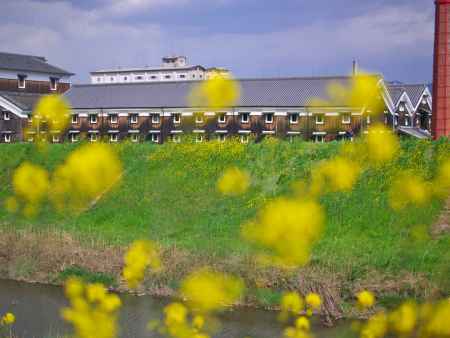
(403, 320)
(375, 327)
(217, 92)
(7, 319)
(141, 255)
(31, 184)
(313, 301)
(88, 172)
(338, 174)
(92, 311)
(233, 182)
(207, 291)
(365, 299)
(291, 304)
(289, 228)
(408, 189)
(381, 144)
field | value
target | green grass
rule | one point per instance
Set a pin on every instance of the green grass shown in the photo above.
(87, 276)
(168, 194)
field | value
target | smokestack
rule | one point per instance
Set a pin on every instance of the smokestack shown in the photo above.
(355, 67)
(441, 71)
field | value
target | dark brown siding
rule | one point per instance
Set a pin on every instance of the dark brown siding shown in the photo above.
(39, 87)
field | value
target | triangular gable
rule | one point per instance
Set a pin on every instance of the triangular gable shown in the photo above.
(12, 108)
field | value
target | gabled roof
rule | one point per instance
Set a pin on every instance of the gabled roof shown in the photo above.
(396, 92)
(415, 92)
(265, 92)
(29, 63)
(25, 101)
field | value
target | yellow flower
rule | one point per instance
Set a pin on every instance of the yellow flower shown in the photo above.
(376, 326)
(141, 255)
(89, 171)
(313, 300)
(404, 319)
(303, 323)
(31, 185)
(95, 292)
(408, 189)
(233, 182)
(198, 322)
(11, 204)
(110, 303)
(176, 313)
(74, 288)
(54, 111)
(366, 299)
(338, 174)
(211, 291)
(216, 93)
(382, 145)
(8, 319)
(289, 228)
(291, 304)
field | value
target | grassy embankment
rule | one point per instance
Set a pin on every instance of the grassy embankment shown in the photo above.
(168, 194)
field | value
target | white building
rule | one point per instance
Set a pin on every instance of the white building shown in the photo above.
(173, 68)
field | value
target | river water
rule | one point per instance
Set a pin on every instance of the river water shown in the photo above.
(37, 309)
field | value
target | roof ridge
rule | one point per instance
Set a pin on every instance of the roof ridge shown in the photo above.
(200, 81)
(27, 55)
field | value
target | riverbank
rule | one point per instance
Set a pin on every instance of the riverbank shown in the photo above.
(168, 194)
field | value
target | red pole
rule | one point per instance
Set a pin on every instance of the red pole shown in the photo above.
(441, 71)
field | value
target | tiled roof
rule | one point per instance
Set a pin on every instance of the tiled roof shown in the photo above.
(29, 63)
(395, 91)
(25, 101)
(271, 92)
(415, 92)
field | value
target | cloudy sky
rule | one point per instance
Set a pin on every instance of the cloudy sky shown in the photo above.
(253, 38)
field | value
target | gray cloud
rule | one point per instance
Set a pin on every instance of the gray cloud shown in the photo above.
(82, 40)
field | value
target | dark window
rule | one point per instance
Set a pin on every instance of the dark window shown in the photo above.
(53, 83)
(21, 80)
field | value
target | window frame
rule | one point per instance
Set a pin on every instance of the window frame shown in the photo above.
(322, 119)
(156, 118)
(53, 83)
(113, 118)
(91, 116)
(266, 118)
(316, 138)
(247, 119)
(155, 137)
(134, 137)
(222, 137)
(134, 118)
(21, 81)
(6, 116)
(7, 138)
(175, 138)
(176, 118)
(243, 138)
(74, 118)
(73, 138)
(199, 119)
(93, 137)
(222, 115)
(291, 121)
(346, 121)
(113, 137)
(55, 138)
(199, 138)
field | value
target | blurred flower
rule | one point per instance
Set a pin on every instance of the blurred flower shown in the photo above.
(31, 185)
(233, 182)
(291, 305)
(408, 189)
(366, 299)
(338, 174)
(289, 228)
(382, 145)
(216, 93)
(302, 323)
(376, 326)
(88, 172)
(92, 311)
(404, 319)
(141, 255)
(313, 301)
(208, 291)
(8, 319)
